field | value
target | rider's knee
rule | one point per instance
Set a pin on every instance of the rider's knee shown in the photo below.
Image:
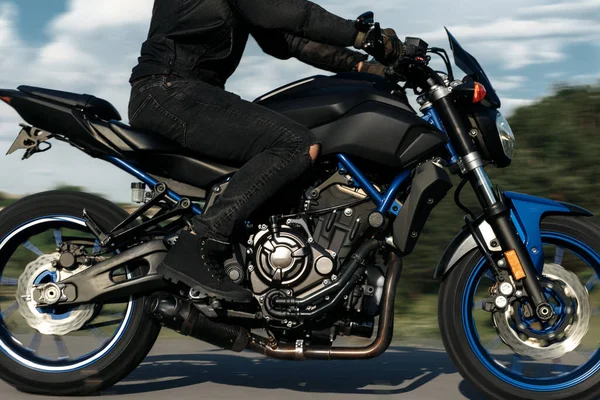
(313, 151)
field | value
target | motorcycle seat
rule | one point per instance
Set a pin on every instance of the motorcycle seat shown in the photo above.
(163, 157)
(91, 104)
(143, 141)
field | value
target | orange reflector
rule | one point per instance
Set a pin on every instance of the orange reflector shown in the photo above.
(5, 99)
(515, 264)
(479, 93)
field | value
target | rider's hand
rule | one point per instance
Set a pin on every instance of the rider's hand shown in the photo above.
(393, 46)
(371, 67)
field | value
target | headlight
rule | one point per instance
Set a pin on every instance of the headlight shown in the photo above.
(507, 137)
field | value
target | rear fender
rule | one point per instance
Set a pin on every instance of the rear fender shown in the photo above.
(527, 213)
(83, 131)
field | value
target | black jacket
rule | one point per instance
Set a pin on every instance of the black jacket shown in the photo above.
(205, 39)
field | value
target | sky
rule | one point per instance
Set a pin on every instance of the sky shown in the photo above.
(88, 46)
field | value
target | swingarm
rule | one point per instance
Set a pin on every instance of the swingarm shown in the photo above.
(99, 283)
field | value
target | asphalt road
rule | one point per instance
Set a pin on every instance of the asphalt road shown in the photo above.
(188, 369)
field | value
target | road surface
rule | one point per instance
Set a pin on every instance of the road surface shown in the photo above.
(188, 369)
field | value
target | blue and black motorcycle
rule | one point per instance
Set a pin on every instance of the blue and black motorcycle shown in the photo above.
(81, 302)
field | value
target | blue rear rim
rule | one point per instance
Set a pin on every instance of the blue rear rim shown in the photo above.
(520, 372)
(53, 353)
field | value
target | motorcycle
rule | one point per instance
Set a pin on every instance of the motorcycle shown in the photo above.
(82, 304)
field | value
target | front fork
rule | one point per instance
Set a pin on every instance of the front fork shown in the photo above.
(496, 212)
(498, 215)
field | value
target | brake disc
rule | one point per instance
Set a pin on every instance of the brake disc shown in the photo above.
(48, 321)
(552, 346)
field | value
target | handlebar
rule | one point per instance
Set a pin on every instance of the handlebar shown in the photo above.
(414, 68)
(413, 63)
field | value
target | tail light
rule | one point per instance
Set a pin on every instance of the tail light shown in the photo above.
(5, 99)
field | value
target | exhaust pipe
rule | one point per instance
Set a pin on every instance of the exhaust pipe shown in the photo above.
(385, 332)
(183, 317)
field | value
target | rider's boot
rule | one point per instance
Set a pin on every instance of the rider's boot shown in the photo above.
(198, 262)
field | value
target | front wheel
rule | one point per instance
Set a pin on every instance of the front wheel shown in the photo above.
(509, 354)
(63, 350)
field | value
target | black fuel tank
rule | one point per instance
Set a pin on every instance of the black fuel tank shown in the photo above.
(359, 115)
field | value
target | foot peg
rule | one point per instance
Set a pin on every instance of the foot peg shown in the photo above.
(171, 240)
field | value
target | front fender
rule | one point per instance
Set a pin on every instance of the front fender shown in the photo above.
(527, 213)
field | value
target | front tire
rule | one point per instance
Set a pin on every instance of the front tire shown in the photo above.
(94, 371)
(501, 374)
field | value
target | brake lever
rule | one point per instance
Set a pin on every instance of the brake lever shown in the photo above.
(374, 44)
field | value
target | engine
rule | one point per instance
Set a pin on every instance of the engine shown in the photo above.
(298, 257)
(299, 254)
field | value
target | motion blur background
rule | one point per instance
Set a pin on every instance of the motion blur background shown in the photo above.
(542, 56)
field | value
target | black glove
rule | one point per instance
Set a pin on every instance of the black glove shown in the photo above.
(371, 67)
(393, 48)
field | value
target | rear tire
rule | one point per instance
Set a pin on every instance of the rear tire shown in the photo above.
(451, 317)
(134, 342)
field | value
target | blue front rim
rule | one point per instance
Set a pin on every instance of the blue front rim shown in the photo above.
(515, 376)
(11, 340)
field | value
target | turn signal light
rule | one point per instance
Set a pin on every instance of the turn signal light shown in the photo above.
(5, 99)
(479, 92)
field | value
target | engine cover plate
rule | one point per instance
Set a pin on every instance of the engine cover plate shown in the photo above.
(281, 258)
(286, 259)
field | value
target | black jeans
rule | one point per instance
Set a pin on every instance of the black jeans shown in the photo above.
(220, 126)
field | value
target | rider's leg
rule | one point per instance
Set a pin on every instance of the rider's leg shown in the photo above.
(222, 127)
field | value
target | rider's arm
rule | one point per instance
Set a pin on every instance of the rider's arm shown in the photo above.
(283, 45)
(299, 17)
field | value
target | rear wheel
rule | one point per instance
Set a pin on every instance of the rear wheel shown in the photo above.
(63, 350)
(511, 354)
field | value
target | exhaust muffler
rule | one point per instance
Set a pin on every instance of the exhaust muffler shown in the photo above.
(182, 316)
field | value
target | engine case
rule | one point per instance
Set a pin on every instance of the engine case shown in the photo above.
(340, 230)
(286, 259)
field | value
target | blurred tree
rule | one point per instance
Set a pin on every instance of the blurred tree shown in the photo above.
(70, 188)
(6, 199)
(74, 188)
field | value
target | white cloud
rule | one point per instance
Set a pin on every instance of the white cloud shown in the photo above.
(571, 7)
(92, 16)
(554, 75)
(514, 55)
(8, 14)
(260, 74)
(511, 28)
(509, 105)
(509, 82)
(515, 42)
(585, 78)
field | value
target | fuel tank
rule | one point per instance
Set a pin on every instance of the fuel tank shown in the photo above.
(360, 115)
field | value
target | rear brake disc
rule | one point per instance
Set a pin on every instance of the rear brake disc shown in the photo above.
(49, 321)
